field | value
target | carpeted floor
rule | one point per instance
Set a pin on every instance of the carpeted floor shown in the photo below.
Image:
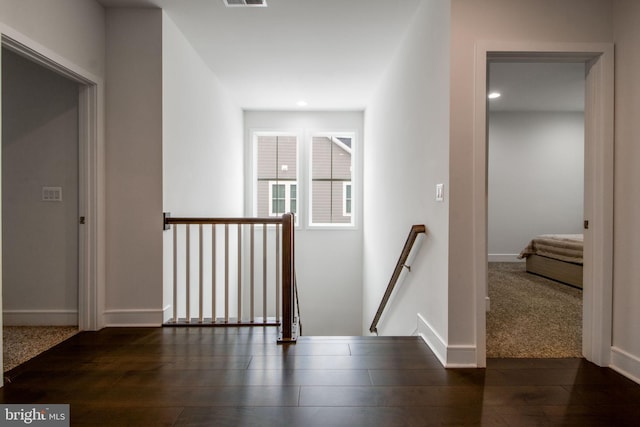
(532, 316)
(21, 343)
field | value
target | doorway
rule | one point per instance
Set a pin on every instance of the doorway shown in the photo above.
(598, 203)
(40, 204)
(535, 188)
(90, 255)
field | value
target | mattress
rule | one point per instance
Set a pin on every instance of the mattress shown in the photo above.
(563, 247)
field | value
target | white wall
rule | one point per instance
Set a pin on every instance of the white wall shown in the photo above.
(202, 135)
(626, 275)
(40, 239)
(72, 29)
(203, 145)
(536, 178)
(406, 155)
(328, 262)
(472, 21)
(134, 167)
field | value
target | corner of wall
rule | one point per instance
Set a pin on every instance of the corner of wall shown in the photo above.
(451, 356)
(432, 339)
(625, 363)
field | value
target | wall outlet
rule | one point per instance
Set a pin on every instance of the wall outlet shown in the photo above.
(439, 192)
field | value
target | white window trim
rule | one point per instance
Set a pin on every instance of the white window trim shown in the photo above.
(344, 198)
(333, 135)
(304, 137)
(251, 203)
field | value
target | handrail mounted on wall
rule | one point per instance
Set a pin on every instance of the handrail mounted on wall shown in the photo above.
(406, 250)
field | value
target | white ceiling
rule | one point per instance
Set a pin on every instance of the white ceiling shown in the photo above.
(537, 86)
(333, 53)
(330, 53)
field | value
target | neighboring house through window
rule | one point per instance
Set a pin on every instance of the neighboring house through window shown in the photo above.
(331, 177)
(282, 197)
(328, 191)
(346, 199)
(277, 174)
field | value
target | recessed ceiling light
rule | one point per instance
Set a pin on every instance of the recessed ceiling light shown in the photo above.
(494, 95)
(301, 103)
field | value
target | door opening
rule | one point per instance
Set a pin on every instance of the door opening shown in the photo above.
(40, 136)
(90, 284)
(598, 184)
(535, 207)
(40, 194)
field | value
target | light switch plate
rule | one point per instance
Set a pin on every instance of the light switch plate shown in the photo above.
(439, 192)
(51, 194)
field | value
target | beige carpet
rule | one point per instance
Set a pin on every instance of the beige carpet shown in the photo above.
(21, 343)
(532, 316)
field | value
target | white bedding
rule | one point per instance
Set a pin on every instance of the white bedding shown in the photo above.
(563, 247)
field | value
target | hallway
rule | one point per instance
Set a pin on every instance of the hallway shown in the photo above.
(187, 376)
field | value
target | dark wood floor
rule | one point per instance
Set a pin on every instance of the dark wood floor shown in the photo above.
(240, 377)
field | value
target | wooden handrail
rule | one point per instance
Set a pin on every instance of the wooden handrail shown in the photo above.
(171, 220)
(404, 255)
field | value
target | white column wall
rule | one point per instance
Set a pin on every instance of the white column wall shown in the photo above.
(626, 271)
(406, 155)
(134, 167)
(203, 148)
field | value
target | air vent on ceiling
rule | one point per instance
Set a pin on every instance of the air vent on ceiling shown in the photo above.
(245, 3)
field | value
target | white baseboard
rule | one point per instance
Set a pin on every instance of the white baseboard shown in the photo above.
(432, 339)
(625, 363)
(504, 258)
(133, 318)
(452, 356)
(40, 317)
(461, 356)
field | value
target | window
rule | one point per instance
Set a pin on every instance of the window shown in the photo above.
(282, 198)
(276, 174)
(321, 190)
(331, 176)
(346, 199)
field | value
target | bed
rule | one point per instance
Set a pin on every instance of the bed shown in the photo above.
(556, 256)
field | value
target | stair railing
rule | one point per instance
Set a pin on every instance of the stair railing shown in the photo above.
(234, 298)
(288, 329)
(404, 255)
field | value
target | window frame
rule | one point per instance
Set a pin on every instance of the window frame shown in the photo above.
(346, 199)
(255, 134)
(304, 137)
(287, 197)
(354, 178)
